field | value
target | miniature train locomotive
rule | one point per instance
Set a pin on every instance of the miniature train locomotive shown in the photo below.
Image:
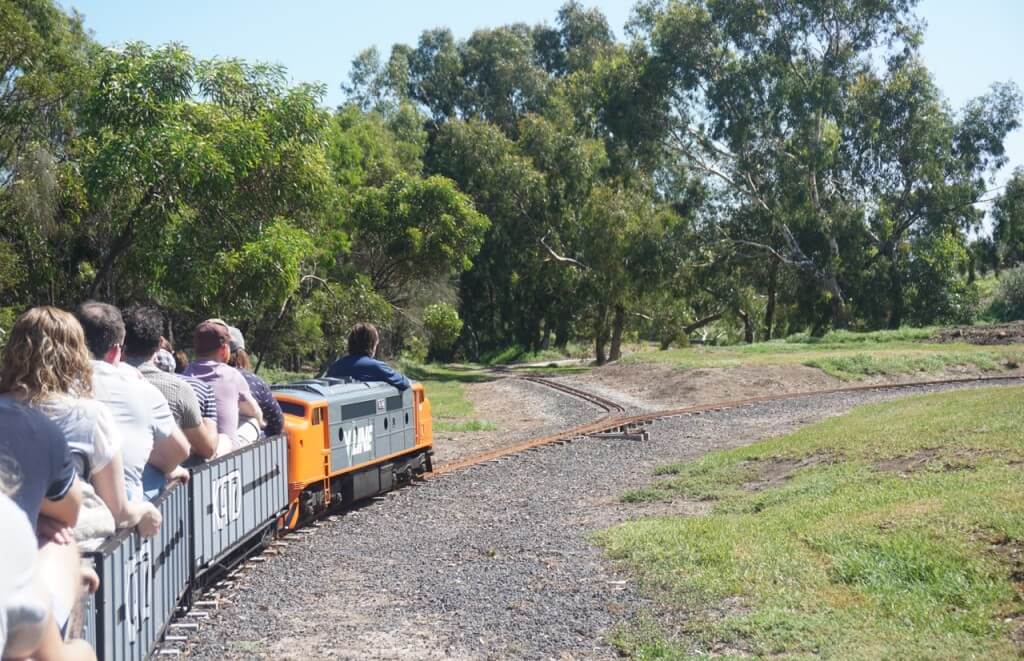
(343, 441)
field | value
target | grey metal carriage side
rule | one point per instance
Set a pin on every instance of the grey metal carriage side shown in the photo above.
(141, 583)
(234, 498)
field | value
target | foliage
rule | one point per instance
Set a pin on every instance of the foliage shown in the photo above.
(414, 229)
(1008, 221)
(871, 534)
(736, 171)
(1008, 304)
(442, 325)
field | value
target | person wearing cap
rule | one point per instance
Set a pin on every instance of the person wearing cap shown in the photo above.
(153, 446)
(360, 364)
(261, 392)
(211, 342)
(141, 349)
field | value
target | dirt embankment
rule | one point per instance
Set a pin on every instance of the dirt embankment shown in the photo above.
(1009, 333)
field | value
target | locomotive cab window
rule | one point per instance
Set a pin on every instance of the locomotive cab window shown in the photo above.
(291, 408)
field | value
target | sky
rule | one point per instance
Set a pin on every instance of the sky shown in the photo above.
(968, 44)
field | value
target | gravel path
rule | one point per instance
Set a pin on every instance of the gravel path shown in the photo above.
(493, 562)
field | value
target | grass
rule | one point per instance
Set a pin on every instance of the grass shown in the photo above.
(517, 354)
(276, 375)
(844, 354)
(854, 366)
(905, 334)
(464, 426)
(891, 532)
(445, 387)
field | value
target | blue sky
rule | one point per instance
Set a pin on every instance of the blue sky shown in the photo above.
(968, 45)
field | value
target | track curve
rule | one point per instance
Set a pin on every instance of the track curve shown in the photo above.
(616, 420)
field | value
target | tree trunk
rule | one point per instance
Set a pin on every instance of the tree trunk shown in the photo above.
(545, 342)
(769, 313)
(562, 331)
(840, 315)
(601, 334)
(748, 327)
(895, 293)
(618, 323)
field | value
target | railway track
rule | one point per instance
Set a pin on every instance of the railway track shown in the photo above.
(616, 420)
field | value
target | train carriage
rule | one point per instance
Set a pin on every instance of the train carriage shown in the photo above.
(343, 441)
(142, 582)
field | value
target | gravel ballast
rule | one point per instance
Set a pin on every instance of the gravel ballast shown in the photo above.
(492, 562)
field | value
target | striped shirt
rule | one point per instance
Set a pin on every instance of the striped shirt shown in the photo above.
(204, 393)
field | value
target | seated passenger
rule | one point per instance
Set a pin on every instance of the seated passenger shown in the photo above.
(153, 446)
(211, 342)
(34, 458)
(32, 585)
(46, 364)
(261, 392)
(360, 364)
(143, 326)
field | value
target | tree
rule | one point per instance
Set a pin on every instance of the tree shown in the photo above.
(1008, 221)
(414, 229)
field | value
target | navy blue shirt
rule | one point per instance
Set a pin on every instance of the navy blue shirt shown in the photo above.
(268, 405)
(364, 368)
(35, 453)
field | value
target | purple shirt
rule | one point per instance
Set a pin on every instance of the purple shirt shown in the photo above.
(228, 386)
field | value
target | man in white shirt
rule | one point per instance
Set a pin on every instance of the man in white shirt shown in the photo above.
(143, 416)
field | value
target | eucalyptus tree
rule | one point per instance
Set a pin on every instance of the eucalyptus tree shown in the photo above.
(1008, 221)
(44, 71)
(818, 115)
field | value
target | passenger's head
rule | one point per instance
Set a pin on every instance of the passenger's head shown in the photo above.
(363, 340)
(211, 341)
(239, 357)
(144, 327)
(46, 356)
(180, 361)
(104, 330)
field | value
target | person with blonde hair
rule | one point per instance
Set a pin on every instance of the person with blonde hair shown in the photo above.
(46, 364)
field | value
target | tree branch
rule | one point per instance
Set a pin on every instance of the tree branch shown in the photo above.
(559, 258)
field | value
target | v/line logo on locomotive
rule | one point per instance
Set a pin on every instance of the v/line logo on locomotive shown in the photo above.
(358, 440)
(227, 499)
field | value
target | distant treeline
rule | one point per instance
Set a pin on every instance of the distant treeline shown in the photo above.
(764, 167)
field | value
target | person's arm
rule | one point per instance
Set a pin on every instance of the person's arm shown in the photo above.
(202, 439)
(248, 407)
(65, 510)
(393, 378)
(170, 447)
(109, 485)
(202, 442)
(169, 451)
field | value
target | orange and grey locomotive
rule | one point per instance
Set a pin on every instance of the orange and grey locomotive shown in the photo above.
(343, 441)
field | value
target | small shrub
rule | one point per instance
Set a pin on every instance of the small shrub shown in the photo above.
(1008, 304)
(415, 349)
(442, 325)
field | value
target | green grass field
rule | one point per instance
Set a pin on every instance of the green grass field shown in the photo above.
(445, 387)
(846, 355)
(896, 531)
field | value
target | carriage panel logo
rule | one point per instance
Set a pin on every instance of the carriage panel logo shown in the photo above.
(358, 440)
(138, 589)
(227, 499)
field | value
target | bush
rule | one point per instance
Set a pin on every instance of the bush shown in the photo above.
(442, 325)
(415, 350)
(1008, 304)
